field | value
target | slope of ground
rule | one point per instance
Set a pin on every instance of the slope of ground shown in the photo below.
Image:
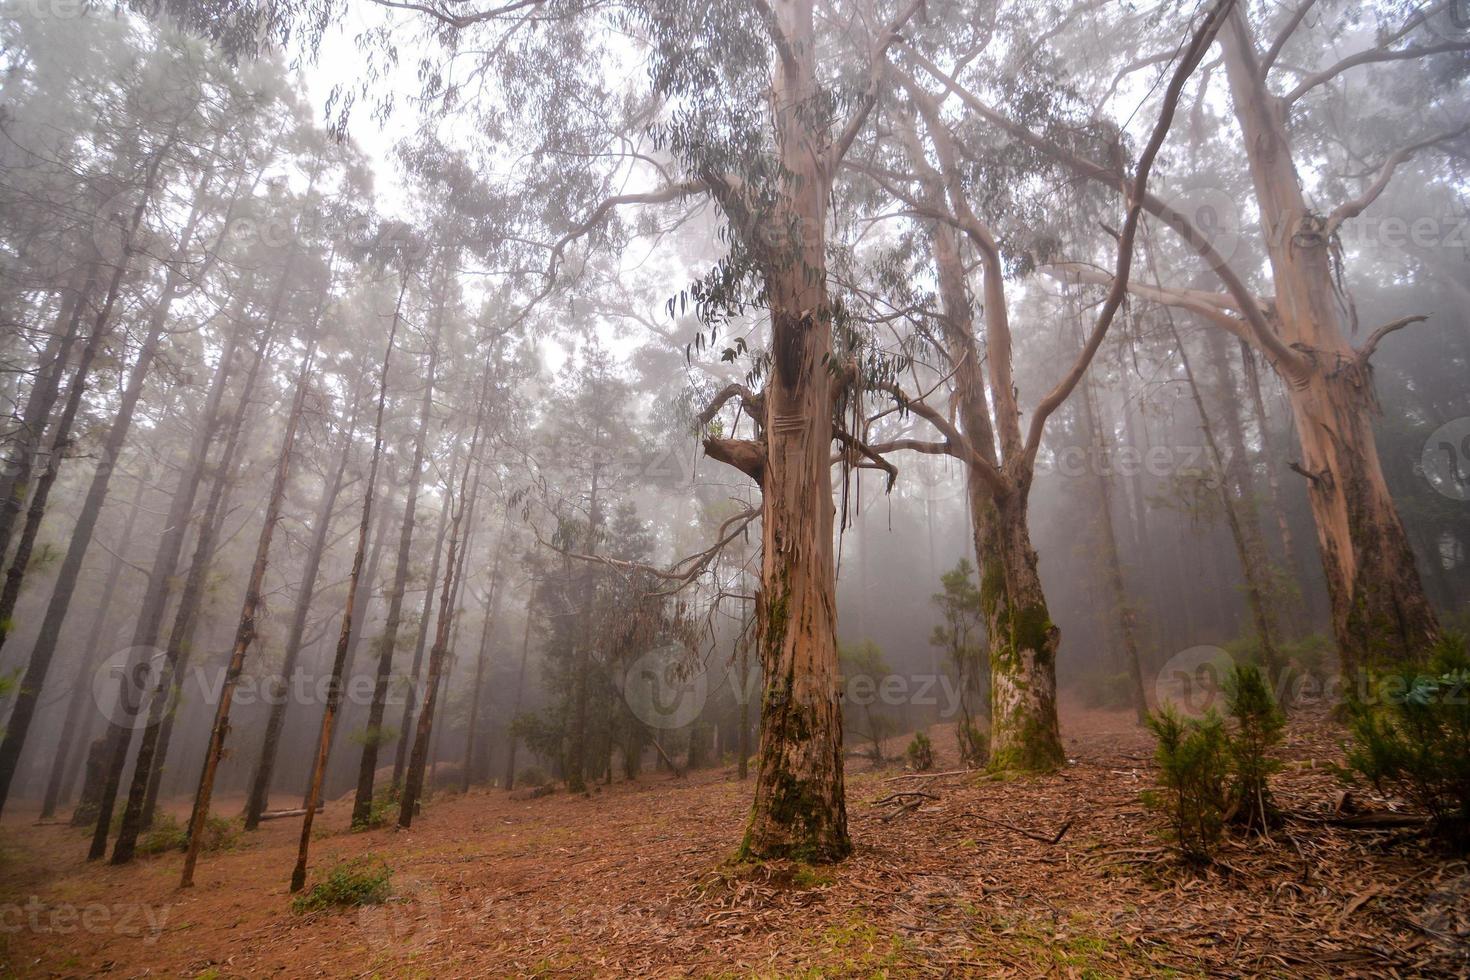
(1054, 876)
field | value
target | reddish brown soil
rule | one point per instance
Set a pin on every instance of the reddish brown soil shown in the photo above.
(632, 881)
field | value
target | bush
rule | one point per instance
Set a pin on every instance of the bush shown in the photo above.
(974, 744)
(1414, 742)
(384, 808)
(348, 884)
(168, 834)
(1257, 730)
(1193, 769)
(921, 753)
(532, 776)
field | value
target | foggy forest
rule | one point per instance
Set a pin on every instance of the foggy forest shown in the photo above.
(734, 488)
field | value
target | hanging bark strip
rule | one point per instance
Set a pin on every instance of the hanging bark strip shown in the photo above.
(344, 636)
(245, 632)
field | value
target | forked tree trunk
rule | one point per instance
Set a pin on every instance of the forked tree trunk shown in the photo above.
(245, 632)
(1380, 612)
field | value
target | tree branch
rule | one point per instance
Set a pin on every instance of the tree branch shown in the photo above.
(1351, 209)
(1371, 344)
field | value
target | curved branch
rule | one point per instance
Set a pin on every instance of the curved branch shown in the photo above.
(1351, 209)
(1370, 57)
(746, 455)
(1371, 344)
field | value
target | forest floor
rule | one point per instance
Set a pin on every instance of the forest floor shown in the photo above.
(1062, 875)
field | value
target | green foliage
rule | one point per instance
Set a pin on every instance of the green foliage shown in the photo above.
(1414, 740)
(921, 753)
(532, 776)
(863, 671)
(384, 808)
(348, 884)
(1257, 730)
(974, 744)
(1191, 793)
(379, 735)
(168, 834)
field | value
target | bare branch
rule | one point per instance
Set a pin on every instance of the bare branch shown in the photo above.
(1371, 344)
(870, 96)
(1351, 209)
(1286, 34)
(746, 455)
(1370, 57)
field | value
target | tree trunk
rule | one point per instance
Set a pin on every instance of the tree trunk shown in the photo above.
(344, 636)
(58, 784)
(363, 803)
(1112, 563)
(260, 783)
(1380, 612)
(492, 612)
(44, 649)
(405, 725)
(413, 783)
(245, 631)
(515, 711)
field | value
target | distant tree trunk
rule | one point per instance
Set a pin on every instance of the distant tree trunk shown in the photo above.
(344, 636)
(81, 536)
(1255, 585)
(363, 802)
(245, 631)
(1380, 612)
(405, 725)
(260, 783)
(492, 611)
(1273, 467)
(418, 758)
(63, 773)
(446, 679)
(1112, 563)
(515, 711)
(577, 744)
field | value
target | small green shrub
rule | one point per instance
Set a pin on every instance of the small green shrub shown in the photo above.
(1414, 740)
(348, 884)
(1193, 769)
(384, 808)
(974, 744)
(921, 753)
(1258, 723)
(166, 834)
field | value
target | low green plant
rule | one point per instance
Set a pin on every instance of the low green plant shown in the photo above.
(1192, 789)
(1255, 732)
(1413, 741)
(348, 884)
(921, 753)
(384, 808)
(168, 834)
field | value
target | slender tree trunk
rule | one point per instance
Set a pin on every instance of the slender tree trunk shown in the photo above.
(492, 612)
(363, 803)
(1255, 586)
(1112, 563)
(59, 783)
(1380, 612)
(260, 783)
(577, 744)
(20, 465)
(515, 712)
(245, 632)
(406, 724)
(418, 758)
(344, 636)
(47, 639)
(158, 732)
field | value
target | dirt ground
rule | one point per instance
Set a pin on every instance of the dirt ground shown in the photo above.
(1054, 876)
